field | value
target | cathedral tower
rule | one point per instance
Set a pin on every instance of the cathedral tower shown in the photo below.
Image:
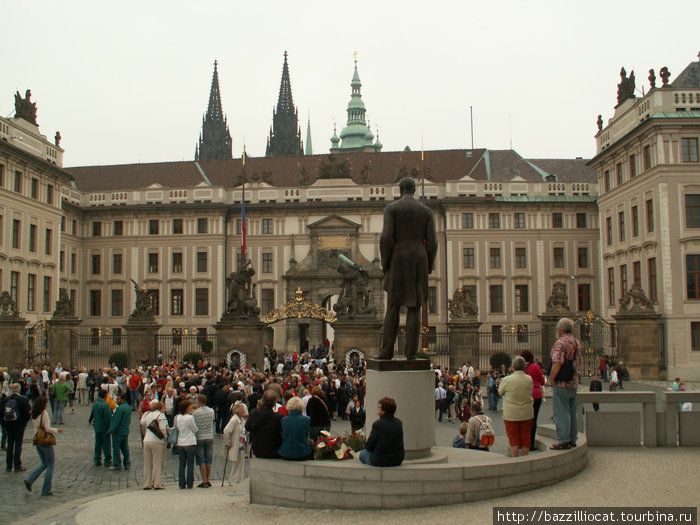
(214, 140)
(285, 134)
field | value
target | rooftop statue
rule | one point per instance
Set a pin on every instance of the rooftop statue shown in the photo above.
(626, 87)
(25, 108)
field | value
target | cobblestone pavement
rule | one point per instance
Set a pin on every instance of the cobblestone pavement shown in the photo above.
(75, 477)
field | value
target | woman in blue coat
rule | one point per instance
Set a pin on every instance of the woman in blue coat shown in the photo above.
(295, 432)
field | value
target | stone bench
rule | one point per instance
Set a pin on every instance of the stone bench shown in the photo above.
(465, 475)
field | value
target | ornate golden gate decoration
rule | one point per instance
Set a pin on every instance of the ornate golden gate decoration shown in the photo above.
(297, 308)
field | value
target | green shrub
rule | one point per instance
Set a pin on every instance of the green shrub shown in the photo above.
(500, 358)
(207, 346)
(422, 355)
(118, 358)
(193, 357)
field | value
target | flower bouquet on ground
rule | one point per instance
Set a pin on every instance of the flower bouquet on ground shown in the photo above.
(356, 441)
(332, 447)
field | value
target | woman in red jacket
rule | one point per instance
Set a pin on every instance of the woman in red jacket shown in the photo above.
(535, 372)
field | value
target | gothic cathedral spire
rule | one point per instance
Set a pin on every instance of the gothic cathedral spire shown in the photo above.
(285, 135)
(215, 140)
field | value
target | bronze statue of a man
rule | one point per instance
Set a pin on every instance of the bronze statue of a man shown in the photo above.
(408, 246)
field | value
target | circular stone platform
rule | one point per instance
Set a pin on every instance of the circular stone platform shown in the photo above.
(459, 476)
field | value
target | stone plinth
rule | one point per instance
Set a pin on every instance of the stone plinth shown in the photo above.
(414, 392)
(60, 343)
(550, 335)
(361, 333)
(464, 342)
(12, 341)
(140, 341)
(242, 336)
(638, 335)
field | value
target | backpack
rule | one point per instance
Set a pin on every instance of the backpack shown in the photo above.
(487, 436)
(11, 412)
(567, 370)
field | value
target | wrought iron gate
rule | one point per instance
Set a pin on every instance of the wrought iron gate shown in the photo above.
(36, 344)
(177, 344)
(91, 350)
(598, 338)
(512, 339)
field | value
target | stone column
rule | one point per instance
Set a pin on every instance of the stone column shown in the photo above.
(550, 335)
(60, 342)
(12, 341)
(360, 333)
(244, 336)
(140, 341)
(411, 384)
(638, 335)
(464, 342)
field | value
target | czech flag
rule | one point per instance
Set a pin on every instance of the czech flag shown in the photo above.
(243, 227)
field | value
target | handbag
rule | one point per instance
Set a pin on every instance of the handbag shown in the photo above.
(42, 437)
(172, 435)
(155, 428)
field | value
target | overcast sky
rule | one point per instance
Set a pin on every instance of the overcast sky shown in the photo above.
(129, 81)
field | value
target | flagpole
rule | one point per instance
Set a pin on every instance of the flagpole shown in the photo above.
(243, 218)
(424, 306)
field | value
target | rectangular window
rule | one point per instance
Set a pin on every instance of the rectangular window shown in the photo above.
(623, 280)
(177, 262)
(118, 228)
(14, 286)
(177, 301)
(521, 298)
(267, 226)
(96, 264)
(47, 294)
(633, 166)
(647, 157)
(468, 258)
(61, 260)
(117, 303)
(31, 292)
(117, 263)
(635, 221)
(239, 261)
(116, 336)
(494, 258)
(239, 227)
(49, 194)
(611, 286)
(16, 228)
(521, 257)
(584, 297)
(692, 275)
(621, 224)
(96, 229)
(32, 237)
(650, 216)
(689, 149)
(35, 188)
(153, 226)
(152, 263)
(494, 220)
(606, 180)
(72, 299)
(637, 273)
(18, 182)
(48, 244)
(267, 263)
(202, 225)
(201, 301)
(268, 300)
(95, 303)
(518, 220)
(468, 221)
(583, 257)
(557, 220)
(154, 294)
(496, 298)
(497, 333)
(618, 172)
(559, 257)
(72, 263)
(74, 227)
(695, 336)
(651, 265)
(608, 230)
(581, 220)
(201, 261)
(432, 300)
(177, 226)
(692, 211)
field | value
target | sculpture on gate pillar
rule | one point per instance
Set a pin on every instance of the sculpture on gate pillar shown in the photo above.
(143, 311)
(636, 295)
(354, 298)
(558, 301)
(461, 305)
(8, 308)
(241, 303)
(64, 306)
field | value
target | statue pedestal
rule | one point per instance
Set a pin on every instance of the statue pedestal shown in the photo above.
(60, 343)
(358, 333)
(242, 336)
(12, 341)
(464, 342)
(638, 335)
(412, 385)
(140, 341)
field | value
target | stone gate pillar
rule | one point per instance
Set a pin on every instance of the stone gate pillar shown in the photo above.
(12, 342)
(638, 334)
(464, 342)
(360, 333)
(60, 342)
(140, 341)
(245, 335)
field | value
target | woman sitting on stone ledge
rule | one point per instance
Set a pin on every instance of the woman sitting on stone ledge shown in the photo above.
(384, 447)
(295, 432)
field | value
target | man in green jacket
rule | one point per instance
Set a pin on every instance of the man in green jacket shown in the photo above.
(119, 430)
(101, 417)
(62, 390)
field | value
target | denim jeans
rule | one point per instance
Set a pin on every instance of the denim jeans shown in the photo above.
(120, 445)
(565, 414)
(366, 457)
(58, 413)
(186, 460)
(47, 457)
(134, 395)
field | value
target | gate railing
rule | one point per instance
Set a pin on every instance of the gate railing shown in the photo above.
(91, 349)
(36, 344)
(176, 345)
(512, 339)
